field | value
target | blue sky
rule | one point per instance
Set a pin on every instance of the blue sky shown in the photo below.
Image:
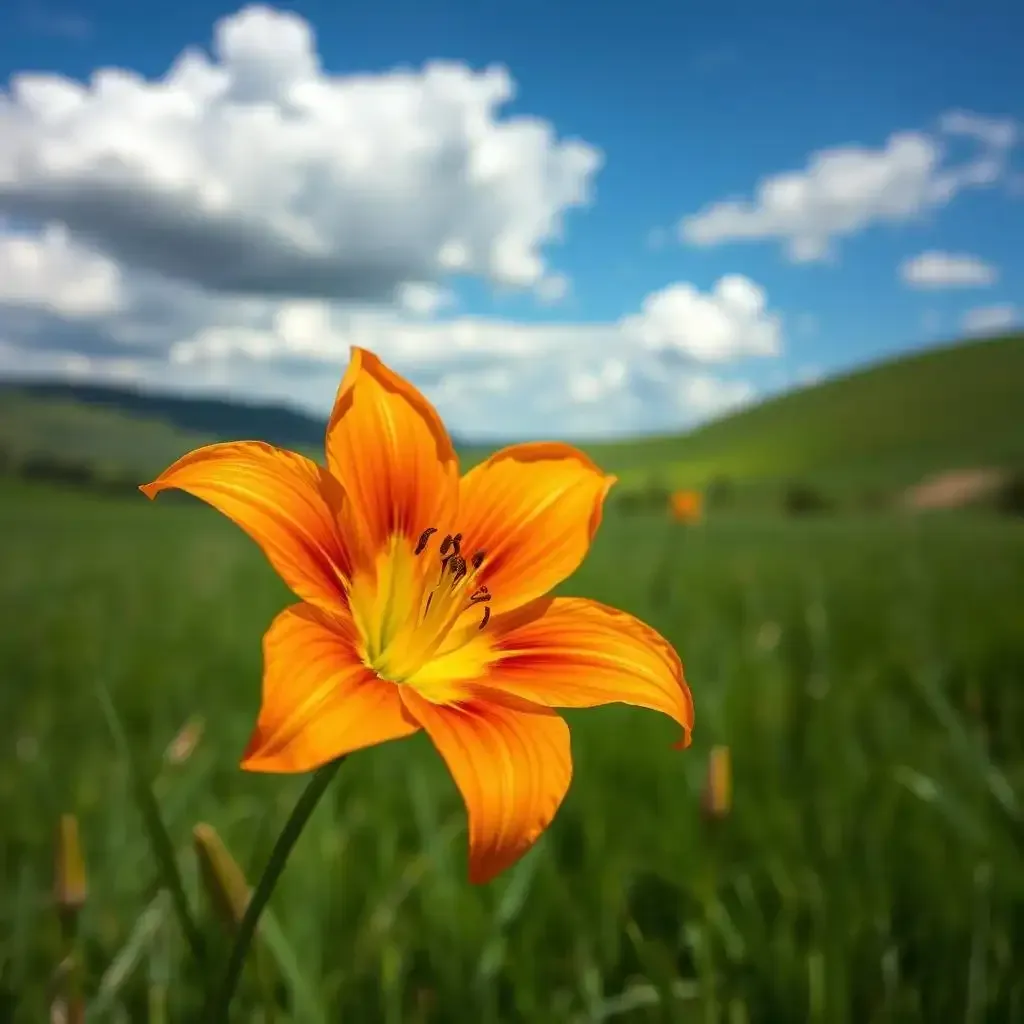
(585, 239)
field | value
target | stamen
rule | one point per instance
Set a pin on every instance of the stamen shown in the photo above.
(457, 567)
(454, 569)
(451, 542)
(402, 648)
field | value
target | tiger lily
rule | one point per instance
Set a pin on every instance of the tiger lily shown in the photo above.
(422, 604)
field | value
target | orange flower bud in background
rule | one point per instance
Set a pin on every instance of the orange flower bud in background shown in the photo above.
(69, 882)
(717, 797)
(686, 506)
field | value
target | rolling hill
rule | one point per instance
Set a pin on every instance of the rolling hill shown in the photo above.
(960, 405)
(216, 418)
(886, 426)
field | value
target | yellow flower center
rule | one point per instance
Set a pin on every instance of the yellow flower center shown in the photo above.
(411, 613)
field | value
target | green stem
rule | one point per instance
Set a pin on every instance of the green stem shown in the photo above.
(271, 873)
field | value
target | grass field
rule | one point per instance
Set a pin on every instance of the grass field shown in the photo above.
(866, 673)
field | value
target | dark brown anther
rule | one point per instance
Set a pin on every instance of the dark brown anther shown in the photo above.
(457, 568)
(424, 538)
(486, 618)
(477, 560)
(456, 542)
(446, 544)
(480, 596)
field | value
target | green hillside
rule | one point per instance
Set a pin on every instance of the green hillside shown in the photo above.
(108, 439)
(882, 427)
(952, 407)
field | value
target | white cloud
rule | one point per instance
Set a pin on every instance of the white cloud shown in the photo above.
(491, 377)
(936, 269)
(423, 299)
(990, 319)
(257, 171)
(48, 271)
(730, 321)
(842, 191)
(236, 225)
(995, 132)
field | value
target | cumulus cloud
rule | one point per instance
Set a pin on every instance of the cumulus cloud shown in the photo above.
(649, 370)
(990, 319)
(236, 225)
(842, 191)
(47, 271)
(678, 323)
(935, 269)
(730, 321)
(254, 170)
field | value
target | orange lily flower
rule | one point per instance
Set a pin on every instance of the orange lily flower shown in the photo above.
(422, 604)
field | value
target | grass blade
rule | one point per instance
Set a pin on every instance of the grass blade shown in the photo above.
(306, 1005)
(129, 957)
(159, 839)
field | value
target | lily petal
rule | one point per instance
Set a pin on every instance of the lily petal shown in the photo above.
(533, 509)
(512, 764)
(287, 503)
(319, 700)
(387, 445)
(569, 652)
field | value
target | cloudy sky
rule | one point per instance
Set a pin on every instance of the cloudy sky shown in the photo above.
(566, 219)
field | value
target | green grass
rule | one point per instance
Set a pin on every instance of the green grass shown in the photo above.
(865, 673)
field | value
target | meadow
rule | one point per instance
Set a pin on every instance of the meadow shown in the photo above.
(867, 673)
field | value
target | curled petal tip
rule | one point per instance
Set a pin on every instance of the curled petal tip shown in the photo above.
(150, 490)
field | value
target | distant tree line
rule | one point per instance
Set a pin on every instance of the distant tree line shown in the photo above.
(1010, 496)
(65, 472)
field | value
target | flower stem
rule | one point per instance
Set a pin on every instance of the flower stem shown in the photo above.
(261, 895)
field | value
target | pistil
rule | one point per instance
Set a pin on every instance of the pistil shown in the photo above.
(439, 611)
